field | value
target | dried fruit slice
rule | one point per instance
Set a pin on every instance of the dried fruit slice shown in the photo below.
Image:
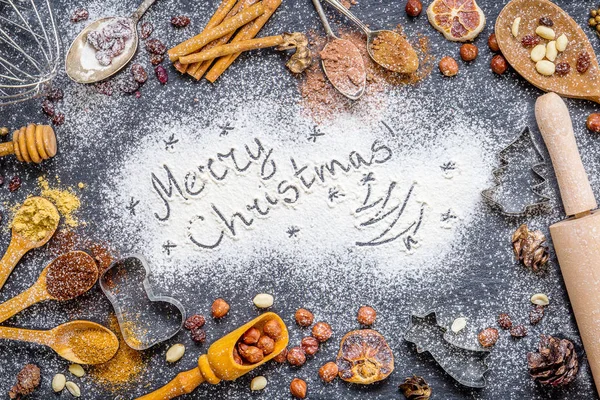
(458, 20)
(364, 357)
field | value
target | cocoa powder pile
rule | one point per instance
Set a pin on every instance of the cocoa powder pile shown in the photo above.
(321, 100)
(344, 65)
(71, 275)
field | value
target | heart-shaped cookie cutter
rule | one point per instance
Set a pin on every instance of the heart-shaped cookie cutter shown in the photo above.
(145, 319)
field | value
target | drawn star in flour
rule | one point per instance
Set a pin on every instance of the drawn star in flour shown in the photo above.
(132, 204)
(293, 231)
(448, 166)
(312, 137)
(168, 246)
(334, 194)
(170, 143)
(225, 129)
(367, 178)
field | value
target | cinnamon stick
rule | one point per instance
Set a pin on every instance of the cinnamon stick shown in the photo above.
(216, 19)
(198, 69)
(233, 48)
(208, 35)
(247, 32)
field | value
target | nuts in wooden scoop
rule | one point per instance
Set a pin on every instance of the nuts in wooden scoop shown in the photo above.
(254, 344)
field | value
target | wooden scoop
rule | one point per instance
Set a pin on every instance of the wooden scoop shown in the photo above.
(60, 340)
(218, 364)
(575, 85)
(39, 291)
(19, 246)
(33, 143)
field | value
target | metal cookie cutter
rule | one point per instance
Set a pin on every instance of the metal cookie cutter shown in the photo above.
(145, 319)
(466, 365)
(519, 194)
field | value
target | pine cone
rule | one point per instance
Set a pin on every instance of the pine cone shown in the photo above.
(529, 247)
(556, 363)
(415, 388)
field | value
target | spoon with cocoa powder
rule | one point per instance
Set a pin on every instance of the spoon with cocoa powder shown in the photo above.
(387, 48)
(342, 62)
(81, 342)
(66, 277)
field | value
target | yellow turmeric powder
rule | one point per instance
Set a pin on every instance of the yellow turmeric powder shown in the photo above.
(92, 345)
(66, 201)
(35, 219)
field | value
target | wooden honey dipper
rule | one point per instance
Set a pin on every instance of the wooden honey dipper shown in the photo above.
(31, 143)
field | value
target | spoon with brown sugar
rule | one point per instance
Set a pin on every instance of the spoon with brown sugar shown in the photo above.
(34, 224)
(81, 342)
(68, 276)
(342, 62)
(387, 48)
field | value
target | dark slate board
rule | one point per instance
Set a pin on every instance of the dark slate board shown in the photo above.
(492, 285)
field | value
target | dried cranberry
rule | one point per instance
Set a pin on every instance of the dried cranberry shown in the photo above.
(14, 184)
(155, 46)
(104, 88)
(504, 321)
(138, 94)
(583, 62)
(530, 40)
(194, 321)
(536, 314)
(80, 14)
(180, 21)
(48, 108)
(161, 74)
(146, 30)
(58, 119)
(198, 335)
(55, 94)
(563, 68)
(546, 21)
(518, 331)
(128, 85)
(156, 59)
(139, 73)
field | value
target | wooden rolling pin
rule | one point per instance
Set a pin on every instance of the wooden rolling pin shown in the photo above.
(31, 143)
(576, 239)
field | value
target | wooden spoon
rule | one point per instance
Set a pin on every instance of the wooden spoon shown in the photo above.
(575, 85)
(20, 245)
(39, 291)
(60, 340)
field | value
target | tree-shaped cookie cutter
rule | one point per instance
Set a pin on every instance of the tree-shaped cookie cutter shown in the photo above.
(538, 171)
(466, 365)
(145, 319)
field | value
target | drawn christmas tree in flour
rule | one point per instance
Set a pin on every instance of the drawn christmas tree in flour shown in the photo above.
(520, 182)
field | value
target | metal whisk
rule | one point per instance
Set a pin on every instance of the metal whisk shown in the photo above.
(29, 49)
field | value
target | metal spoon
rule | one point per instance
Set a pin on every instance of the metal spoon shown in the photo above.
(73, 62)
(360, 89)
(410, 56)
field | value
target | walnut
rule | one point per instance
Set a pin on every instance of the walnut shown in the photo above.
(302, 58)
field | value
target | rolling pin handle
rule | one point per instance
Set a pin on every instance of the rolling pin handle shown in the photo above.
(556, 127)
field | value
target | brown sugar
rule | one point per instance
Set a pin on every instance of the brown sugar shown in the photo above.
(71, 275)
(394, 52)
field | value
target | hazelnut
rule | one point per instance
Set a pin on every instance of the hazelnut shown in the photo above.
(499, 64)
(448, 66)
(296, 356)
(236, 357)
(322, 331)
(298, 388)
(468, 52)
(414, 8)
(488, 337)
(272, 329)
(366, 315)
(593, 123)
(251, 336)
(220, 308)
(493, 43)
(252, 354)
(304, 317)
(328, 372)
(281, 357)
(310, 345)
(266, 344)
